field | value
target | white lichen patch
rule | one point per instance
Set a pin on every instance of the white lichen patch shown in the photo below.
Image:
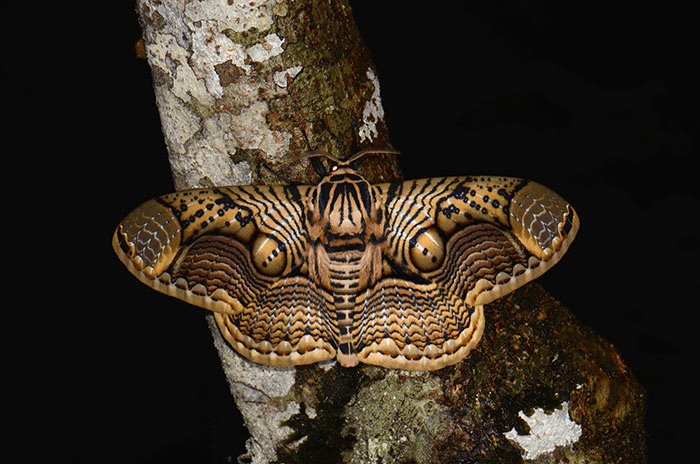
(207, 158)
(547, 431)
(373, 111)
(377, 449)
(237, 15)
(281, 77)
(166, 54)
(311, 412)
(203, 23)
(186, 53)
(209, 48)
(182, 124)
(269, 47)
(250, 129)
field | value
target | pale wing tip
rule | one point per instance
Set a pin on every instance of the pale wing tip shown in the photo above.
(542, 220)
(148, 238)
(546, 225)
(568, 228)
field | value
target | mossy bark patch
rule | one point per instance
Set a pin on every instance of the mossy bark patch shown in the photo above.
(323, 396)
(534, 356)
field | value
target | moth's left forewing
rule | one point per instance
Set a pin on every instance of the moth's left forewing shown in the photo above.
(150, 238)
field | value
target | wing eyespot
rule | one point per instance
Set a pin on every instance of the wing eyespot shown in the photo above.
(267, 256)
(428, 252)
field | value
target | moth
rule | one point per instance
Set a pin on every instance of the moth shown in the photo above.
(394, 274)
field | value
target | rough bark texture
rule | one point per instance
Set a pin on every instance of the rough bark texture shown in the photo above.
(242, 84)
(239, 83)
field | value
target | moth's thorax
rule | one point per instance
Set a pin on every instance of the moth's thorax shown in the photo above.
(343, 207)
(344, 221)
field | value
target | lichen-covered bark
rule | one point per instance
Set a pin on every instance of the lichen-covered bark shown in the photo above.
(239, 83)
(244, 84)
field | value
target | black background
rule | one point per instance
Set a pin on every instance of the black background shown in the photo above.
(597, 100)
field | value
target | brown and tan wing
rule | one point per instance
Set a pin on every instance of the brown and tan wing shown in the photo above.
(409, 325)
(455, 244)
(235, 251)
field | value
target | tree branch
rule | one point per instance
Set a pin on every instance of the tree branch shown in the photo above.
(243, 83)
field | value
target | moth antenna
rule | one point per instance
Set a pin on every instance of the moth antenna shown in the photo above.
(368, 151)
(284, 178)
(320, 153)
(315, 154)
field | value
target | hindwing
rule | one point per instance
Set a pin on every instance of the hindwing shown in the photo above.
(408, 325)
